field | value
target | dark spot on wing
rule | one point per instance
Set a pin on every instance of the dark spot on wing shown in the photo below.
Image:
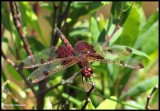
(128, 50)
(140, 65)
(122, 62)
(42, 61)
(46, 73)
(29, 80)
(110, 51)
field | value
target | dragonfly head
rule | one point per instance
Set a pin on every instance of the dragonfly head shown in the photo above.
(87, 72)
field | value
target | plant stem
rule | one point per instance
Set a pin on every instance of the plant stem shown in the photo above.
(149, 97)
(17, 22)
(88, 96)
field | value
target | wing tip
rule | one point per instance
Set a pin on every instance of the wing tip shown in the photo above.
(139, 66)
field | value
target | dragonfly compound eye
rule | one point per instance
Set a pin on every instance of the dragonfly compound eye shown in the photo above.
(88, 75)
(87, 72)
(89, 69)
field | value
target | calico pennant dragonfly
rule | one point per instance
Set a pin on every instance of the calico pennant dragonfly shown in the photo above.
(54, 59)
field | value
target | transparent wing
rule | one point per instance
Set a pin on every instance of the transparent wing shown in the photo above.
(46, 70)
(115, 54)
(37, 59)
(125, 62)
(113, 50)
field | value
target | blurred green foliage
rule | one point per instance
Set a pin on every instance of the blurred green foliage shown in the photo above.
(84, 23)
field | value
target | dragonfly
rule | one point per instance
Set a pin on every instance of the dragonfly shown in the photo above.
(54, 59)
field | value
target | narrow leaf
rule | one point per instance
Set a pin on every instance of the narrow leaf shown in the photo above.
(141, 87)
(18, 89)
(108, 104)
(94, 28)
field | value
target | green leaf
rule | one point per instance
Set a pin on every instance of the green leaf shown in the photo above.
(143, 20)
(102, 35)
(140, 53)
(134, 51)
(102, 22)
(124, 80)
(94, 28)
(5, 19)
(17, 89)
(116, 10)
(87, 7)
(149, 39)
(133, 103)
(79, 31)
(105, 30)
(47, 5)
(141, 87)
(12, 71)
(138, 3)
(88, 107)
(71, 99)
(131, 28)
(23, 11)
(120, 11)
(108, 104)
(116, 35)
(105, 3)
(5, 39)
(35, 44)
(4, 96)
(126, 12)
(31, 18)
(152, 19)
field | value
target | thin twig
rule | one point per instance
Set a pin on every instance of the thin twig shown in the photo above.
(36, 8)
(54, 37)
(17, 22)
(61, 16)
(14, 98)
(149, 97)
(8, 60)
(88, 96)
(2, 30)
(42, 85)
(19, 70)
(69, 80)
